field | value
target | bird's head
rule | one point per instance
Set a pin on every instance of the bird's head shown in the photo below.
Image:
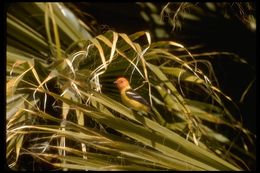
(121, 83)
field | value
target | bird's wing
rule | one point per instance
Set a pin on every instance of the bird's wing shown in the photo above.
(131, 94)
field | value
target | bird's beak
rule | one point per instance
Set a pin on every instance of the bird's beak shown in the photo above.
(115, 81)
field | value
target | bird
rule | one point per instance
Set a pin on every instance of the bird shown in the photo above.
(130, 97)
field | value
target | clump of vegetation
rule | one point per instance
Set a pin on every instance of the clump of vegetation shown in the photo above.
(63, 109)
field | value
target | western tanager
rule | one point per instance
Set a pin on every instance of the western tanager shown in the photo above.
(131, 98)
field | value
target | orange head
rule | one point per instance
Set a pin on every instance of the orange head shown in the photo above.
(121, 83)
